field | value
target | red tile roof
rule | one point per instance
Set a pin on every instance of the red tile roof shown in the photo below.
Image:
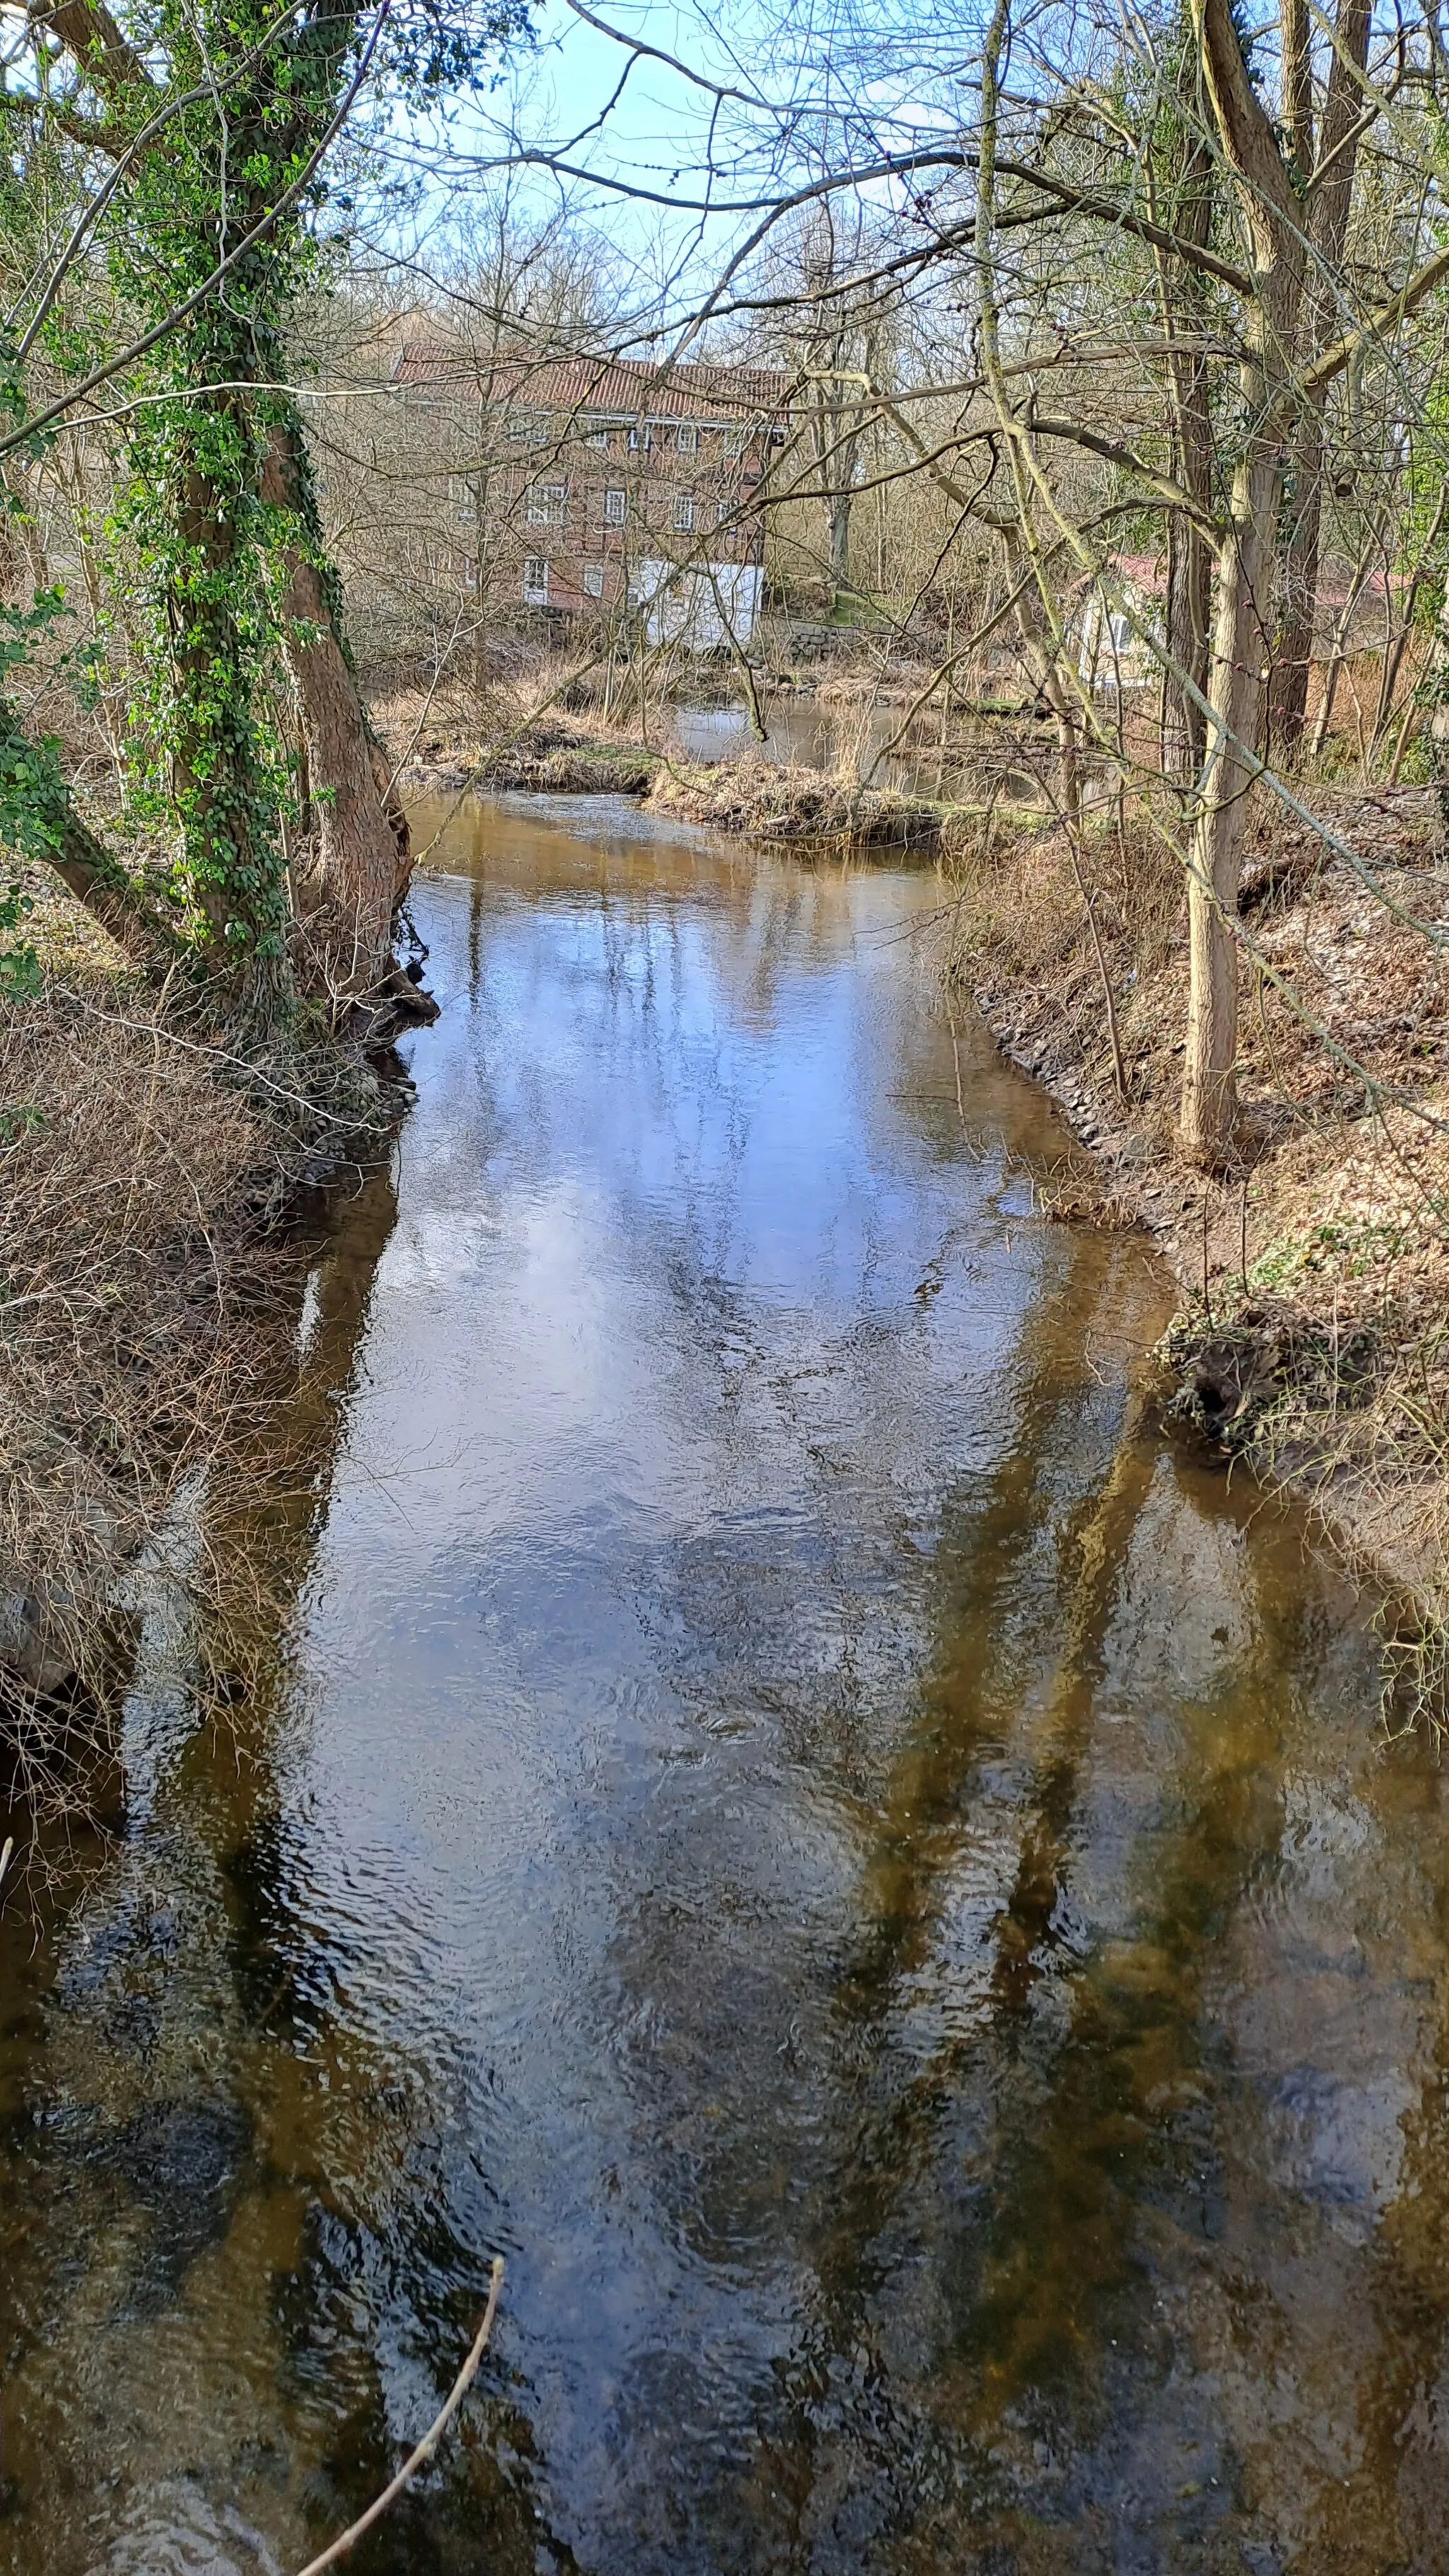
(600, 384)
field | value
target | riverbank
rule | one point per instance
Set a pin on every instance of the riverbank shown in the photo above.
(758, 798)
(147, 1249)
(1315, 1270)
(571, 744)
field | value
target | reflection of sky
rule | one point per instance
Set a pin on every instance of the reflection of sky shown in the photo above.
(698, 1307)
(667, 1163)
(739, 1607)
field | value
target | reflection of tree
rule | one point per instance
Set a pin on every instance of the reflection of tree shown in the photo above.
(169, 2092)
(1391, 2512)
(353, 2262)
(248, 2160)
(1022, 2147)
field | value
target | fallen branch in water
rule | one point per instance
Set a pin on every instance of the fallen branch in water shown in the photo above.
(419, 2458)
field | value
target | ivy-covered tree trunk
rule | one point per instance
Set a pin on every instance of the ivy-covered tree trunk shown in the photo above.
(231, 867)
(216, 120)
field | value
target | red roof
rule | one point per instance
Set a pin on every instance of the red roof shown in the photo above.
(599, 384)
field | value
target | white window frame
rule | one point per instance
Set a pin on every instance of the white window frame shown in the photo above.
(548, 505)
(682, 517)
(527, 428)
(535, 590)
(597, 438)
(686, 438)
(593, 581)
(616, 505)
(736, 440)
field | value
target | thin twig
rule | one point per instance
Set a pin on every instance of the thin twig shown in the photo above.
(419, 2458)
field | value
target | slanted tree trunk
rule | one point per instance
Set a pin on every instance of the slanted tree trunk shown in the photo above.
(1044, 662)
(1327, 222)
(1238, 670)
(361, 854)
(1189, 552)
(136, 915)
(362, 859)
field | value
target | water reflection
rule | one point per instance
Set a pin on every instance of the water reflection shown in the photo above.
(764, 1793)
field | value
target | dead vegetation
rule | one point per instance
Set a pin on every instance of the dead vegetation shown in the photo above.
(767, 803)
(145, 1255)
(1316, 1266)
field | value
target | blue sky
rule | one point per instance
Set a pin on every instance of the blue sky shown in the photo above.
(667, 135)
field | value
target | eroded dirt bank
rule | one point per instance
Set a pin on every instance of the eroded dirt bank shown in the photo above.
(1315, 1269)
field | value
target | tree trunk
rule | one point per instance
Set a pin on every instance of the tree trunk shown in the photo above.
(1328, 233)
(1043, 662)
(137, 919)
(840, 509)
(231, 858)
(362, 860)
(1238, 671)
(1189, 552)
(1189, 593)
(1237, 692)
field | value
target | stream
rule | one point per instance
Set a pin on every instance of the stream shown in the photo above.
(770, 1794)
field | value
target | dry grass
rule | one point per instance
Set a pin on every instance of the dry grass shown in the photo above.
(144, 1174)
(811, 805)
(1022, 894)
(1314, 1342)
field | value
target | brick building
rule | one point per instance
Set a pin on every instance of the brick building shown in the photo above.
(583, 488)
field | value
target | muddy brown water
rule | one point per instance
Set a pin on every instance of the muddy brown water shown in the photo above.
(775, 1799)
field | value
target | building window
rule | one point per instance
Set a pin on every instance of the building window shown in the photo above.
(735, 441)
(724, 512)
(593, 581)
(597, 438)
(683, 513)
(633, 437)
(535, 580)
(615, 503)
(460, 493)
(547, 504)
(686, 438)
(530, 428)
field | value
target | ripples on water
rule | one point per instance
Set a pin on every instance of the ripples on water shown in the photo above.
(775, 1800)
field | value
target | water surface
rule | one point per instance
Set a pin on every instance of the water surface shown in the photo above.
(765, 1791)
